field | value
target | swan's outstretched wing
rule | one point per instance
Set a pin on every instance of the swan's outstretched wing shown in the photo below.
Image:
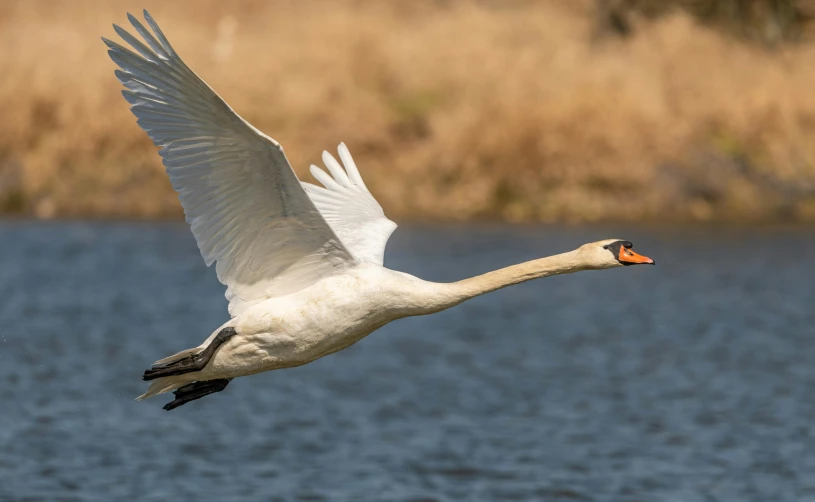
(245, 205)
(347, 205)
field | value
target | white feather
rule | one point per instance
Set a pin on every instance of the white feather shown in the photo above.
(337, 172)
(351, 167)
(244, 203)
(351, 211)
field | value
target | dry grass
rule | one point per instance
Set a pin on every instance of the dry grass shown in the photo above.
(454, 110)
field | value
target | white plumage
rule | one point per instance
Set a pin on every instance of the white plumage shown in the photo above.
(302, 263)
(240, 196)
(349, 208)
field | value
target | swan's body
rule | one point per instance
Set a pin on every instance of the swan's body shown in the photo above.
(303, 264)
(296, 329)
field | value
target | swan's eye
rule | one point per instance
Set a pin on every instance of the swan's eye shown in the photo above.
(605, 247)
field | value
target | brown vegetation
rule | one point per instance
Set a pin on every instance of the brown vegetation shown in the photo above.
(520, 110)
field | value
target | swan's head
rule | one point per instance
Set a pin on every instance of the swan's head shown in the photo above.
(612, 253)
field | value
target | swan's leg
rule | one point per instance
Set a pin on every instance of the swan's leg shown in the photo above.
(195, 362)
(196, 390)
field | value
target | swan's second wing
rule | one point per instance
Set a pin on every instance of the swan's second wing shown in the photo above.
(244, 203)
(347, 205)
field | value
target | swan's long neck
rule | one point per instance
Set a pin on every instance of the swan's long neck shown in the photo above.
(448, 295)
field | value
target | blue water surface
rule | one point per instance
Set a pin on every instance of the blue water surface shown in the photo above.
(689, 381)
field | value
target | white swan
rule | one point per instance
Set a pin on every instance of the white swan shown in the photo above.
(302, 264)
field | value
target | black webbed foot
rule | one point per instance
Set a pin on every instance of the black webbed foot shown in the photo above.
(196, 390)
(195, 362)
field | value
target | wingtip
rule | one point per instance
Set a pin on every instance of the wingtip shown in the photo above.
(118, 29)
(344, 152)
(148, 17)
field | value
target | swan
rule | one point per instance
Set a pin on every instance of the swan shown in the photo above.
(302, 264)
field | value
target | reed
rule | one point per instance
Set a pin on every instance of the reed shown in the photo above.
(454, 110)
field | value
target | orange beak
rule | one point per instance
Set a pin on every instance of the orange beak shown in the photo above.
(629, 257)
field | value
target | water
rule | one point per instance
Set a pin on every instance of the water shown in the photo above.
(689, 381)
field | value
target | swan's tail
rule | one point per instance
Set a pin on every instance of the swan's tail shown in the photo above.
(175, 357)
(166, 384)
(162, 385)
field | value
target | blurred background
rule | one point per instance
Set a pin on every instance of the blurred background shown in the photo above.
(493, 132)
(548, 110)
